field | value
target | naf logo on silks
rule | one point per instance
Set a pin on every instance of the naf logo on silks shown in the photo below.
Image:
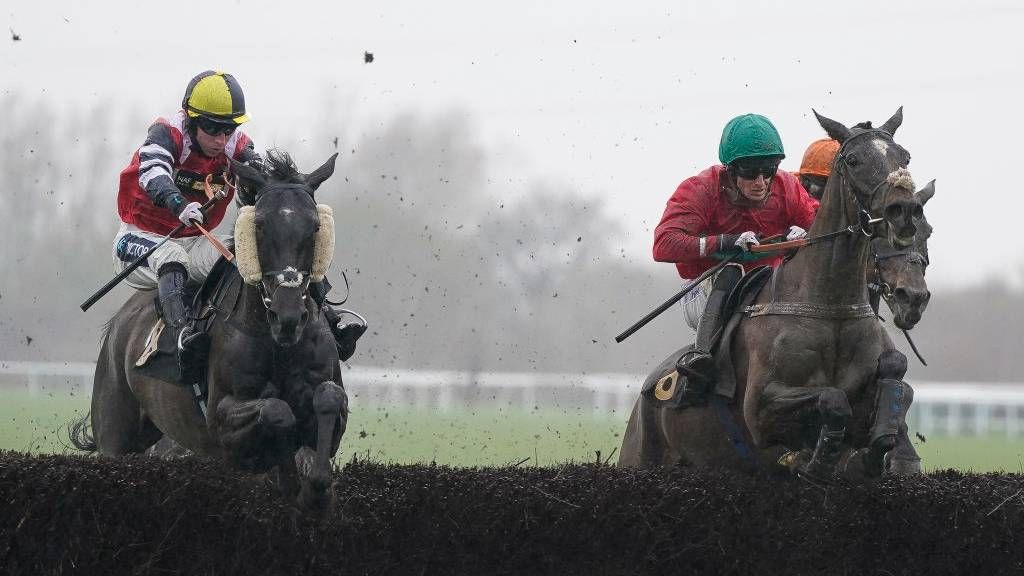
(194, 182)
(130, 247)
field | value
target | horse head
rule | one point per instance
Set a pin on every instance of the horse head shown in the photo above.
(874, 168)
(283, 239)
(899, 273)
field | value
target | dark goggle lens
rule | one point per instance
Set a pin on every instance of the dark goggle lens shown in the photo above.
(215, 128)
(752, 171)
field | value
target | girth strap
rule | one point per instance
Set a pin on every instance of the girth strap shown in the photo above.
(810, 310)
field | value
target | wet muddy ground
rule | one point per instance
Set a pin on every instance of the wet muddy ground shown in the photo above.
(70, 514)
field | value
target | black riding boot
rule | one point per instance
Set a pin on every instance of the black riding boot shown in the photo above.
(172, 278)
(345, 333)
(698, 365)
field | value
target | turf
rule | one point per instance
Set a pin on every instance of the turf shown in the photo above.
(487, 436)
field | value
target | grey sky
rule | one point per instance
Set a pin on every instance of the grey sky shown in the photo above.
(621, 100)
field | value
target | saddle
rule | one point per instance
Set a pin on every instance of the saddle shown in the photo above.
(159, 358)
(666, 386)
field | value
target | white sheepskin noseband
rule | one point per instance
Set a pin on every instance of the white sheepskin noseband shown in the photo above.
(900, 178)
(248, 261)
(323, 246)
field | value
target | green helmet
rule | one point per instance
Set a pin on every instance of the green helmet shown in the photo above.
(749, 135)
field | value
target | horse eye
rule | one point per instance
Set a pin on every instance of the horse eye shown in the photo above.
(852, 160)
(894, 212)
(918, 212)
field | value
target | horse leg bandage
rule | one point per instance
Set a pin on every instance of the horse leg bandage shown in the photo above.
(891, 405)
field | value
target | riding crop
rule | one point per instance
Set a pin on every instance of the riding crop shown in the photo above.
(676, 298)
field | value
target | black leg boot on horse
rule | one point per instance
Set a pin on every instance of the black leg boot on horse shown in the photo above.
(191, 343)
(345, 333)
(698, 365)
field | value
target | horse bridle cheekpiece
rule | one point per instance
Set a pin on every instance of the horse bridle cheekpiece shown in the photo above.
(248, 261)
(899, 178)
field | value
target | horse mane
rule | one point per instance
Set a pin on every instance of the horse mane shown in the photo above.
(864, 125)
(281, 167)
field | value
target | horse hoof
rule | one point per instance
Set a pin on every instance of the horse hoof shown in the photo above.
(818, 474)
(794, 460)
(903, 466)
(863, 466)
(315, 498)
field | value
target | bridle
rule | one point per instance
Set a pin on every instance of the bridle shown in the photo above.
(865, 220)
(289, 277)
(292, 279)
(910, 256)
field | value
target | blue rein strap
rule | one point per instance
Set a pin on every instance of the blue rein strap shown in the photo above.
(732, 430)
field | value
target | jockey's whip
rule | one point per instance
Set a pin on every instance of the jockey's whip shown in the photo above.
(676, 298)
(138, 261)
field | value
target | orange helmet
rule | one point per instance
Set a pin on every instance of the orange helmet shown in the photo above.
(818, 158)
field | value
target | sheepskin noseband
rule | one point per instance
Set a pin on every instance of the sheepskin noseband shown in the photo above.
(323, 246)
(248, 261)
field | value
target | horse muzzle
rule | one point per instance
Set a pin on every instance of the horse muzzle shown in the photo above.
(287, 316)
(910, 306)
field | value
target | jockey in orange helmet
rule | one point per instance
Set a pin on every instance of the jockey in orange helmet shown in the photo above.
(817, 165)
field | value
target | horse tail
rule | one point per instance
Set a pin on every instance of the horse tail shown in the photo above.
(80, 433)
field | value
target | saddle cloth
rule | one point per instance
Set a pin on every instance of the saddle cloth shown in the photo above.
(159, 357)
(664, 385)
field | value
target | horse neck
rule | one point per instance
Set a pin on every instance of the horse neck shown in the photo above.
(252, 311)
(832, 271)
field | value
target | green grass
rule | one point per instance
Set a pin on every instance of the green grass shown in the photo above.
(481, 437)
(972, 453)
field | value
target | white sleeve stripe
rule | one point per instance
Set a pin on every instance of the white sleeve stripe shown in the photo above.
(154, 150)
(145, 178)
(149, 164)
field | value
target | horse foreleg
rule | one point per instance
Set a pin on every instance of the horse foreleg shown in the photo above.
(330, 408)
(835, 411)
(783, 409)
(903, 460)
(256, 434)
(892, 401)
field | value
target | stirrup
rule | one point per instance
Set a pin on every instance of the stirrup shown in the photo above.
(341, 325)
(346, 334)
(185, 336)
(696, 365)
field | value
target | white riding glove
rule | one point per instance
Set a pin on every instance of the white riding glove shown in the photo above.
(795, 233)
(746, 240)
(191, 212)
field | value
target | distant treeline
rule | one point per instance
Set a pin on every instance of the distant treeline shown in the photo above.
(453, 270)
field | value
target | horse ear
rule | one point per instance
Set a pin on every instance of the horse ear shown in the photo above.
(317, 177)
(250, 178)
(925, 194)
(893, 123)
(835, 130)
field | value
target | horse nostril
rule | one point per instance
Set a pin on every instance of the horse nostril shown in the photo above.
(901, 295)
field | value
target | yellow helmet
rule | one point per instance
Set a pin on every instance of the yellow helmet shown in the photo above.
(217, 96)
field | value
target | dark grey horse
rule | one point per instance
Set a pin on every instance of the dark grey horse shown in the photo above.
(899, 273)
(274, 378)
(812, 365)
